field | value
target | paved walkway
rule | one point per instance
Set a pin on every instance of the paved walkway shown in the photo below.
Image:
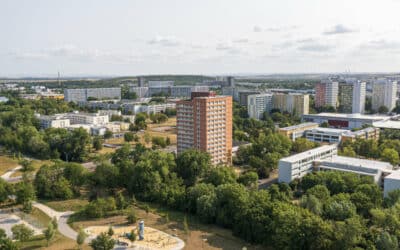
(62, 219)
(7, 176)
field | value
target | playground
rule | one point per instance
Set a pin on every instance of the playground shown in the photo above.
(153, 238)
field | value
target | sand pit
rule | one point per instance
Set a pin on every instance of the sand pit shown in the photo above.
(153, 238)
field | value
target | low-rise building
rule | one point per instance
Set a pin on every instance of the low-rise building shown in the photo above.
(369, 133)
(325, 158)
(327, 135)
(87, 118)
(378, 170)
(347, 121)
(298, 165)
(296, 131)
(391, 182)
(53, 121)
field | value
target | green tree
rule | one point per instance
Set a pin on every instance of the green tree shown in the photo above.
(390, 155)
(49, 233)
(128, 136)
(21, 232)
(191, 165)
(132, 236)
(302, 144)
(110, 231)
(6, 243)
(108, 134)
(131, 217)
(102, 242)
(50, 183)
(80, 238)
(220, 175)
(4, 190)
(385, 241)
(120, 201)
(249, 179)
(97, 143)
(383, 110)
(55, 223)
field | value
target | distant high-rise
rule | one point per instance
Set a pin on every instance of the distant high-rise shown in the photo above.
(345, 97)
(326, 93)
(359, 93)
(231, 81)
(258, 104)
(297, 104)
(205, 123)
(384, 94)
(141, 81)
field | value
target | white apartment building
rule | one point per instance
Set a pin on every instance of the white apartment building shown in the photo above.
(258, 104)
(375, 169)
(87, 118)
(332, 91)
(327, 135)
(384, 93)
(82, 95)
(359, 92)
(109, 112)
(53, 121)
(297, 166)
(141, 92)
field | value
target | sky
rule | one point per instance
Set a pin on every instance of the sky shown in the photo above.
(140, 37)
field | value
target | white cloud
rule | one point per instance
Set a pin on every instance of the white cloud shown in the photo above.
(257, 28)
(168, 41)
(339, 29)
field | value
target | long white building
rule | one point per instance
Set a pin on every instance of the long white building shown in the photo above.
(258, 104)
(297, 166)
(384, 93)
(82, 95)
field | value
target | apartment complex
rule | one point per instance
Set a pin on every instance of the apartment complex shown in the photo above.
(345, 97)
(205, 123)
(243, 96)
(297, 166)
(326, 93)
(171, 91)
(352, 96)
(297, 131)
(384, 93)
(53, 121)
(359, 94)
(325, 158)
(347, 121)
(82, 95)
(258, 104)
(297, 104)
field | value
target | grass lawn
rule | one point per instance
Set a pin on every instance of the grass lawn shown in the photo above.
(59, 242)
(7, 163)
(67, 205)
(36, 165)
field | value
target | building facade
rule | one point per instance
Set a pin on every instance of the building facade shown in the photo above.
(297, 166)
(205, 123)
(297, 131)
(359, 94)
(258, 104)
(384, 93)
(82, 95)
(345, 97)
(326, 93)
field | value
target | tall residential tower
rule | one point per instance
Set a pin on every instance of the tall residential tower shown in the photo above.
(205, 123)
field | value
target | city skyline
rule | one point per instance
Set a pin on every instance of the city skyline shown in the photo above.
(189, 37)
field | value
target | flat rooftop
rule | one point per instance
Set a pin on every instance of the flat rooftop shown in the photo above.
(350, 116)
(395, 175)
(296, 157)
(329, 130)
(391, 124)
(298, 126)
(356, 162)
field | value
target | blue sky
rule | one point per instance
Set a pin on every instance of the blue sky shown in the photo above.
(128, 37)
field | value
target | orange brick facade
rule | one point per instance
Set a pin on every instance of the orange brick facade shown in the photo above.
(205, 123)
